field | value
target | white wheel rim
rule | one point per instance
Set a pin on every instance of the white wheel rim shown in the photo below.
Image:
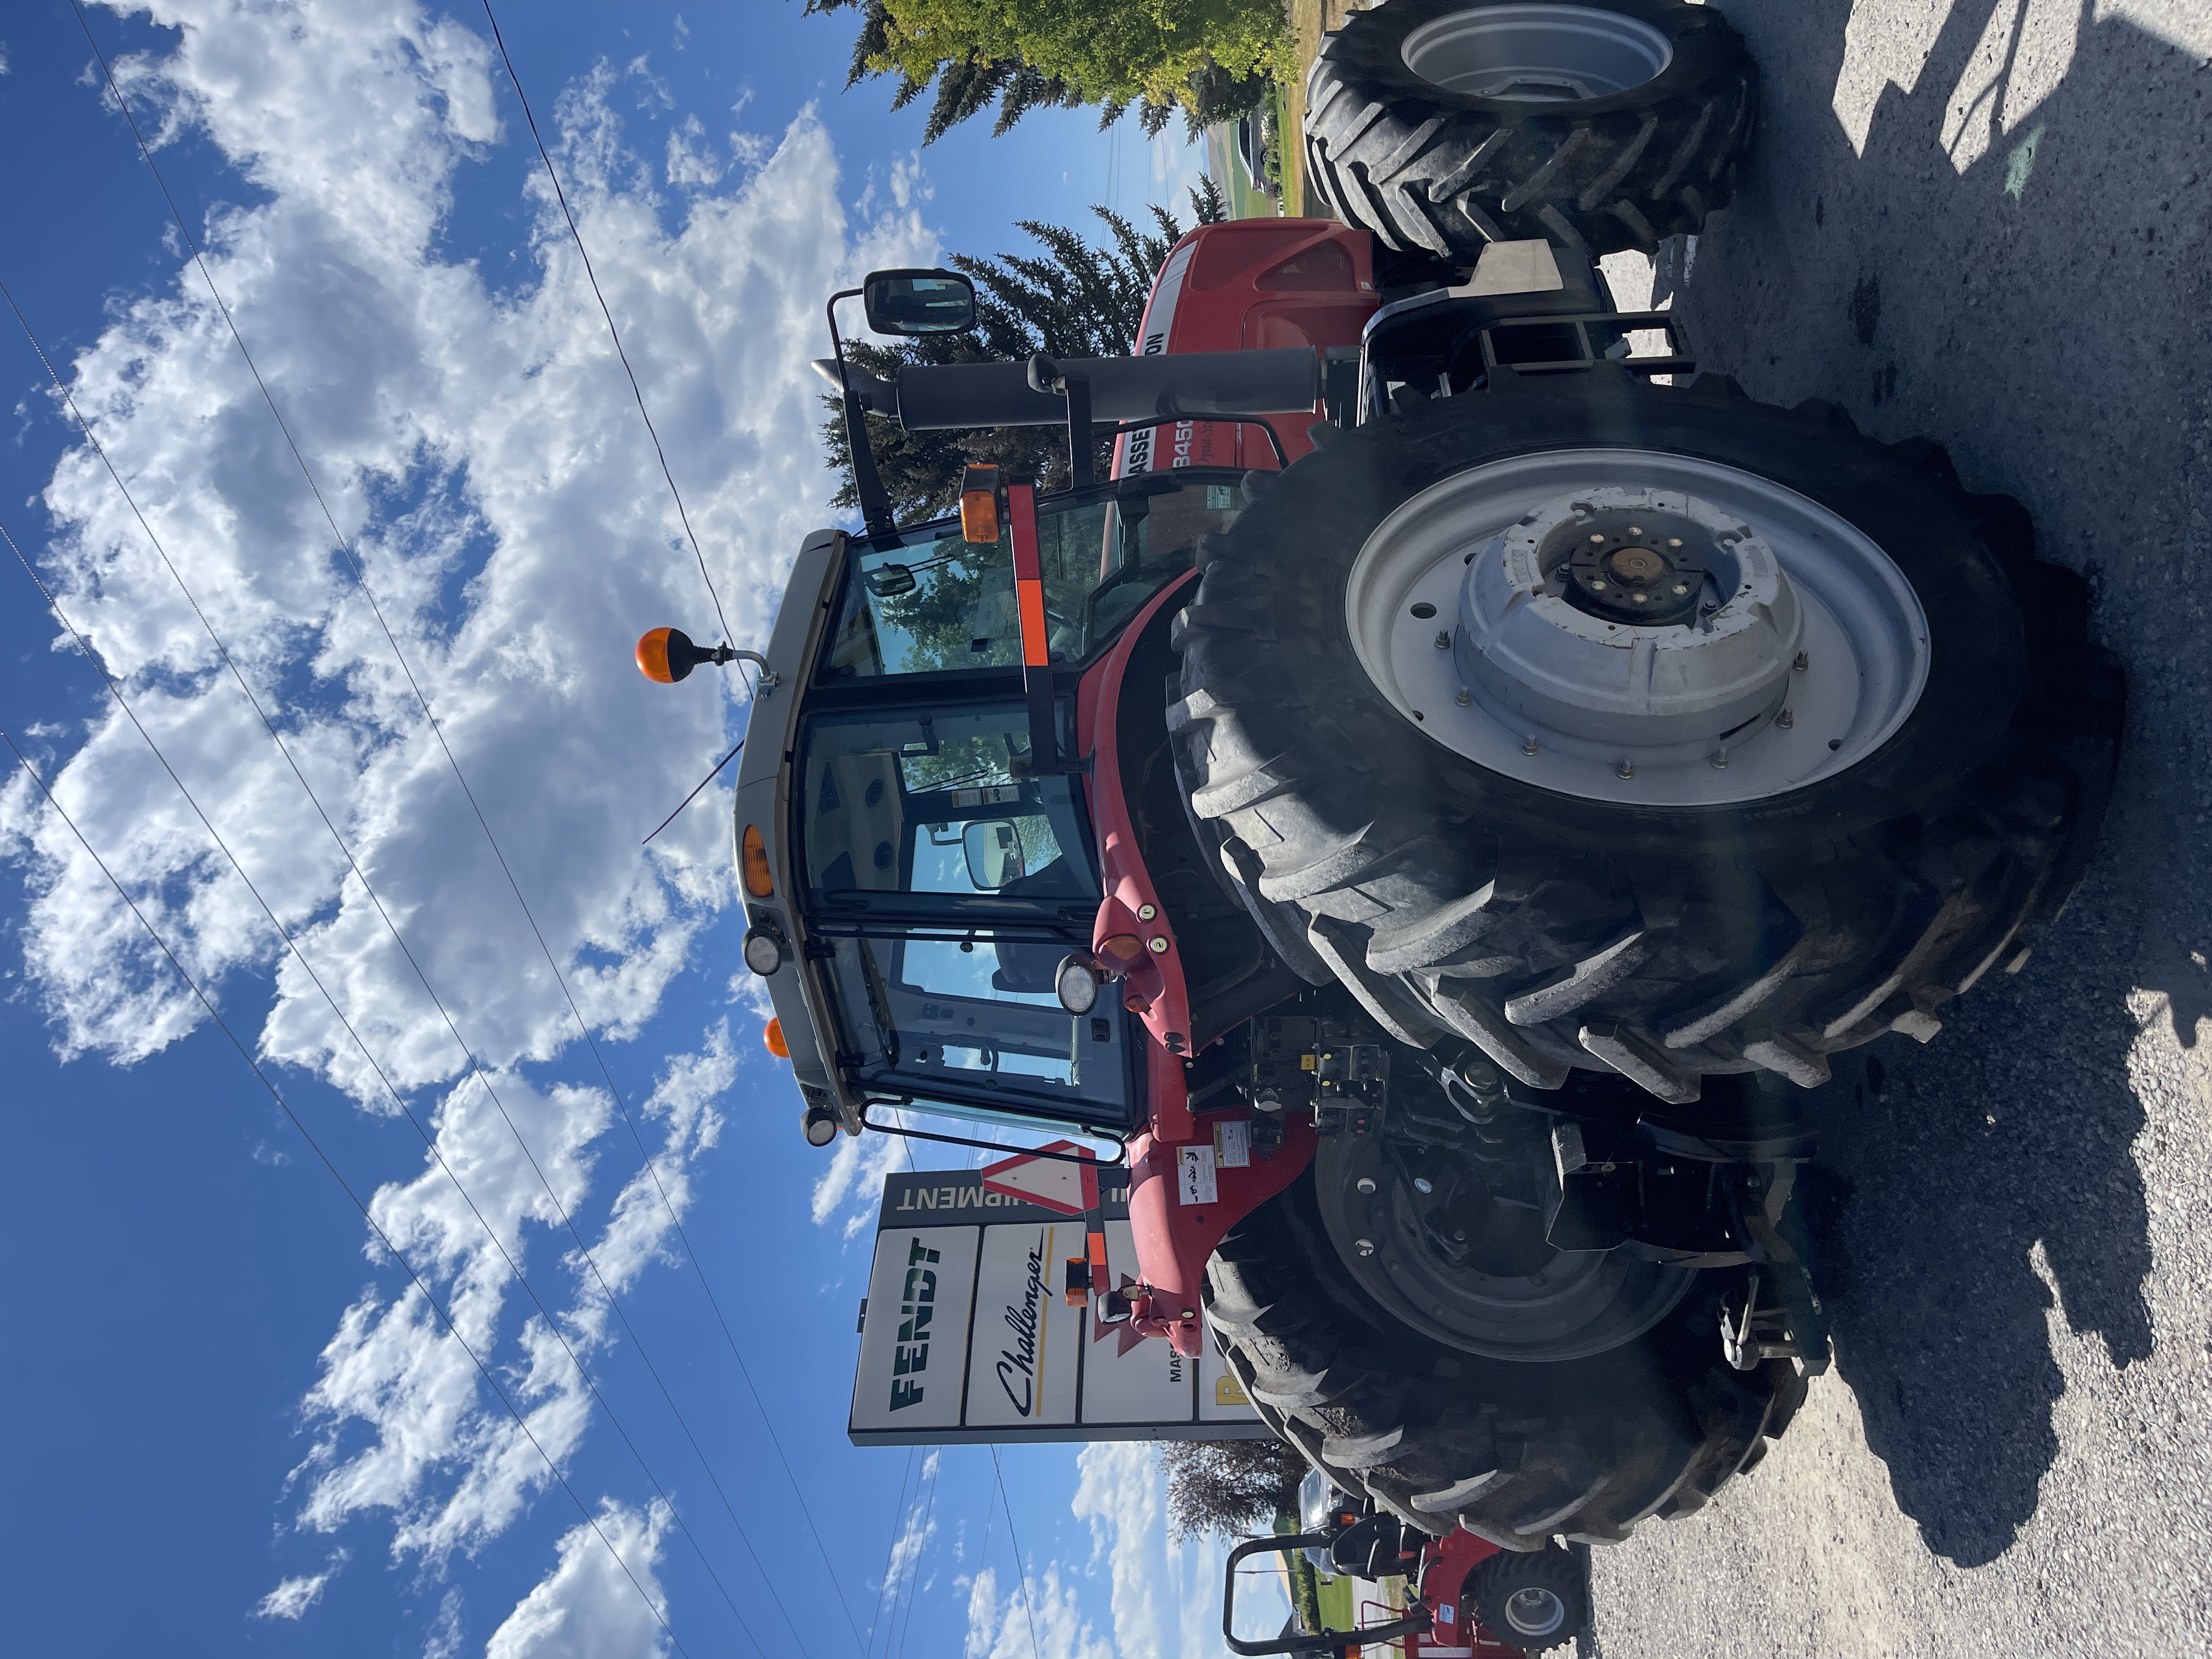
(1537, 53)
(1864, 635)
(1533, 1611)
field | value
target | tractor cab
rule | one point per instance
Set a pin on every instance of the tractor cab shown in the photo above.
(918, 812)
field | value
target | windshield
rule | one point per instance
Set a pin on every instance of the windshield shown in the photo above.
(937, 602)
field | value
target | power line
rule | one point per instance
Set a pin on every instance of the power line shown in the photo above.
(1021, 1565)
(444, 1317)
(613, 332)
(429, 1141)
(890, 1554)
(934, 1468)
(361, 580)
(468, 1055)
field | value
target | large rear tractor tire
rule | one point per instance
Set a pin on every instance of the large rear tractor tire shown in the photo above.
(1858, 766)
(1516, 1453)
(1442, 125)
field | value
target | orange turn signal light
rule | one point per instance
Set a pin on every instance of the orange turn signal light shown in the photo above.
(774, 1037)
(979, 504)
(753, 854)
(1127, 947)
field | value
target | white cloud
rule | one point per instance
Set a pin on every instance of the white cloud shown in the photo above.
(482, 451)
(691, 164)
(391, 1371)
(587, 1607)
(292, 1598)
(1044, 1622)
(1119, 1492)
(854, 1176)
(480, 448)
(1165, 1594)
(444, 1638)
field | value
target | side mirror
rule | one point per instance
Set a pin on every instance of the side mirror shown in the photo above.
(918, 302)
(993, 847)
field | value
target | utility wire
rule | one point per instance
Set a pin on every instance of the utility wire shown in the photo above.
(429, 1141)
(1029, 1600)
(694, 795)
(613, 332)
(444, 1317)
(361, 580)
(934, 1468)
(890, 1556)
(473, 1065)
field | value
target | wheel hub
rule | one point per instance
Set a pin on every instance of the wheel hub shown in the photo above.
(1474, 1272)
(1534, 1611)
(1643, 569)
(1647, 620)
(1537, 53)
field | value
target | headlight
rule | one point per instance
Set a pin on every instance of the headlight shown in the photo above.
(763, 949)
(820, 1126)
(1075, 982)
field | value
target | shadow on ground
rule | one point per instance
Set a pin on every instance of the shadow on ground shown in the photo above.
(2013, 265)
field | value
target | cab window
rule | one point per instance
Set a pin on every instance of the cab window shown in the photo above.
(916, 812)
(937, 603)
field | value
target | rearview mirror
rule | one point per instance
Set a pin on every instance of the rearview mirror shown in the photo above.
(917, 303)
(993, 847)
(891, 581)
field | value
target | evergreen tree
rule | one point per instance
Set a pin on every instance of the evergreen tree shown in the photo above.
(1212, 59)
(1075, 300)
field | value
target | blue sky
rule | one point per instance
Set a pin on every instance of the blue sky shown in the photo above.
(231, 1425)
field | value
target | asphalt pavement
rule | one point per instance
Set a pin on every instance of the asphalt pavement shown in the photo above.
(1985, 222)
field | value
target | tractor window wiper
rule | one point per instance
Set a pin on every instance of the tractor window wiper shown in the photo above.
(879, 1002)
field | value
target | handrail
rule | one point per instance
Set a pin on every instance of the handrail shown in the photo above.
(1318, 1642)
(1119, 1161)
(1274, 442)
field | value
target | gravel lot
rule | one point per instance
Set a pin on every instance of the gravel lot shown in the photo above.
(1985, 222)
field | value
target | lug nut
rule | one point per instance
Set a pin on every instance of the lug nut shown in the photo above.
(1364, 1246)
(1800, 664)
(1720, 759)
(1366, 1183)
(1443, 639)
(1626, 769)
(1528, 745)
(1785, 720)
(1421, 1185)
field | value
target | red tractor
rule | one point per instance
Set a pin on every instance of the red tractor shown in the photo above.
(1439, 805)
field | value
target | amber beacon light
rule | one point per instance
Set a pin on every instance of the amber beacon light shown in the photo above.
(666, 655)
